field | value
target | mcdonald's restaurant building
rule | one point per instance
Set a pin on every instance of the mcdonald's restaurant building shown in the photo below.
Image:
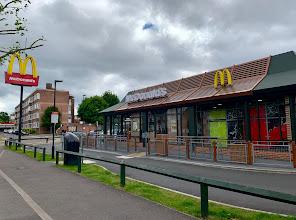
(250, 101)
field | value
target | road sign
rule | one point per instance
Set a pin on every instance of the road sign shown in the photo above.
(54, 117)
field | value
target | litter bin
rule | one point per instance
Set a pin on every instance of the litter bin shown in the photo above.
(71, 143)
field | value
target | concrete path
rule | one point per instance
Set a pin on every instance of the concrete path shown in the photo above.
(33, 190)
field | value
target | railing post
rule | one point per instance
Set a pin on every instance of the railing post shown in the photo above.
(43, 154)
(135, 141)
(249, 153)
(79, 164)
(204, 200)
(148, 147)
(122, 174)
(187, 143)
(35, 152)
(215, 151)
(294, 153)
(115, 144)
(57, 157)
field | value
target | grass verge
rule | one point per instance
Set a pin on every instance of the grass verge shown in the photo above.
(30, 153)
(182, 203)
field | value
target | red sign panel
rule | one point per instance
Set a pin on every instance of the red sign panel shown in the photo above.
(23, 80)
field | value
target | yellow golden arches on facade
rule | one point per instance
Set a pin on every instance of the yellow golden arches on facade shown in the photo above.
(22, 65)
(221, 74)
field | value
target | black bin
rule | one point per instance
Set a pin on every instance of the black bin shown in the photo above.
(71, 143)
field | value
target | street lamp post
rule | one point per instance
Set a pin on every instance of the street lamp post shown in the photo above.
(54, 107)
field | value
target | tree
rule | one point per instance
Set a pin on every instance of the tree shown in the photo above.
(46, 118)
(90, 107)
(12, 23)
(110, 98)
(4, 117)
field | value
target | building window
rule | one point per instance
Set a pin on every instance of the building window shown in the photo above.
(172, 122)
(135, 124)
(270, 120)
(116, 125)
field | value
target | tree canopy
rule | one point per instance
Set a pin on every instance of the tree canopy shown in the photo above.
(4, 117)
(89, 109)
(46, 117)
(110, 98)
(13, 26)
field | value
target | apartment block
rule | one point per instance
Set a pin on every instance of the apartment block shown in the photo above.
(38, 101)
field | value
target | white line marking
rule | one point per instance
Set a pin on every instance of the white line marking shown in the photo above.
(1, 154)
(42, 214)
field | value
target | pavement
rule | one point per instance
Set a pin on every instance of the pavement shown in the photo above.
(33, 190)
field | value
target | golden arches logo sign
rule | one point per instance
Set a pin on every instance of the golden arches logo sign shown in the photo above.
(22, 78)
(221, 74)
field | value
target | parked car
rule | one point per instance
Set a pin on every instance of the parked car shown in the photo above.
(16, 132)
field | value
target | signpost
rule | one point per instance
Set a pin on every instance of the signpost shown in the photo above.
(21, 79)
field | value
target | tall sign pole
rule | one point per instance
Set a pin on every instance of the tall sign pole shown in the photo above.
(21, 115)
(55, 117)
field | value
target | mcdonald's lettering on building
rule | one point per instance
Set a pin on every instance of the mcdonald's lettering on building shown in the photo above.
(21, 77)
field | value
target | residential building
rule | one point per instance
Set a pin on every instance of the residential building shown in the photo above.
(38, 101)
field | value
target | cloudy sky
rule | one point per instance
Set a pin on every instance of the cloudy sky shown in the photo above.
(99, 45)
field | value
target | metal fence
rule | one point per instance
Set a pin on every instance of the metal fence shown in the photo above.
(201, 149)
(232, 151)
(118, 143)
(277, 153)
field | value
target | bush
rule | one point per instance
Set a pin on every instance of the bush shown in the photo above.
(30, 130)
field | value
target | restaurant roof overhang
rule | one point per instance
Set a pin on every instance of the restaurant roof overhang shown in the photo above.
(248, 78)
(281, 76)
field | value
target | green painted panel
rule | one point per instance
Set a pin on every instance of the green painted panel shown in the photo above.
(218, 125)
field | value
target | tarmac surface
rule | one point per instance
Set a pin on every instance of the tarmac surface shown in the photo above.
(33, 190)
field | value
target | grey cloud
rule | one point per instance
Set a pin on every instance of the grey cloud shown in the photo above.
(93, 50)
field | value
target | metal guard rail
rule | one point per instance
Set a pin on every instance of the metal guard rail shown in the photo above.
(19, 144)
(202, 181)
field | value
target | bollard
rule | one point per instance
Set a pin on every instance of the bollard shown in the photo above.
(204, 201)
(43, 154)
(115, 144)
(215, 151)
(294, 153)
(35, 152)
(148, 147)
(57, 157)
(249, 153)
(187, 144)
(24, 148)
(79, 164)
(122, 174)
